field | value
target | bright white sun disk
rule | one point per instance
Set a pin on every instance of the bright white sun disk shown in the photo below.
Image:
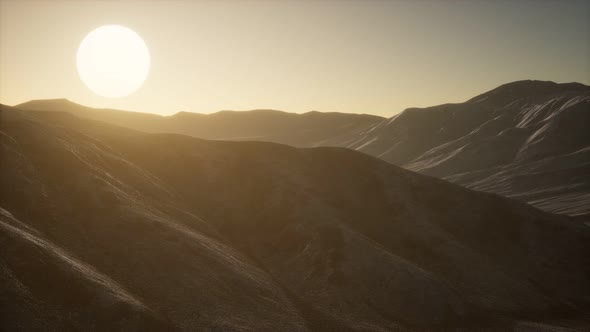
(113, 61)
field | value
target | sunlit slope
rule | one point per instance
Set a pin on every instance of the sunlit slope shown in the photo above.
(528, 140)
(260, 236)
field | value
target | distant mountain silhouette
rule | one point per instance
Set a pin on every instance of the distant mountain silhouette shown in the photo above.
(301, 130)
(107, 228)
(526, 140)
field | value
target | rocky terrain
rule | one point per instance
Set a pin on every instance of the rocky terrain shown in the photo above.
(107, 228)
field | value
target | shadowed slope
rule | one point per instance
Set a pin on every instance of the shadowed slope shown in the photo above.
(41, 283)
(82, 195)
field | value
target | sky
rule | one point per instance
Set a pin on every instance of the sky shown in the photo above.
(376, 57)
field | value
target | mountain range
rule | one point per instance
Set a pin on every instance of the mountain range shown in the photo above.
(109, 228)
(526, 140)
(299, 130)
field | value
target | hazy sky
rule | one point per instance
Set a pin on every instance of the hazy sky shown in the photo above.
(357, 56)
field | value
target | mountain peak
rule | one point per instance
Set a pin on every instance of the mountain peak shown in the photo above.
(58, 104)
(509, 92)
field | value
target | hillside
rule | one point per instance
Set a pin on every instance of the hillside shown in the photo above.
(527, 140)
(117, 229)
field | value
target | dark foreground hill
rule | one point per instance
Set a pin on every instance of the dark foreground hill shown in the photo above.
(526, 140)
(105, 228)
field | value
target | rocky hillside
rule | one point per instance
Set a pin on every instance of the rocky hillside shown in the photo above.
(107, 228)
(527, 140)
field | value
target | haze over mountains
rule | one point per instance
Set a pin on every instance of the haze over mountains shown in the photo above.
(109, 228)
(526, 140)
(300, 130)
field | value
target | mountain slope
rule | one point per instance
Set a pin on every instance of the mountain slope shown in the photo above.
(526, 139)
(257, 236)
(40, 282)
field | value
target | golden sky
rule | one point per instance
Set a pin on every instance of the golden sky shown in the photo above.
(376, 57)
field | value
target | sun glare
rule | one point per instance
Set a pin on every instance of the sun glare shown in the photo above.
(113, 61)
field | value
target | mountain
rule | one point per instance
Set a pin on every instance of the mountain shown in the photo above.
(107, 228)
(300, 130)
(525, 140)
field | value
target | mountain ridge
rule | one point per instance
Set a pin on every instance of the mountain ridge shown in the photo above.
(306, 129)
(65, 105)
(506, 130)
(528, 88)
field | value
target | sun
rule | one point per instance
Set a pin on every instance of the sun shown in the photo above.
(113, 61)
